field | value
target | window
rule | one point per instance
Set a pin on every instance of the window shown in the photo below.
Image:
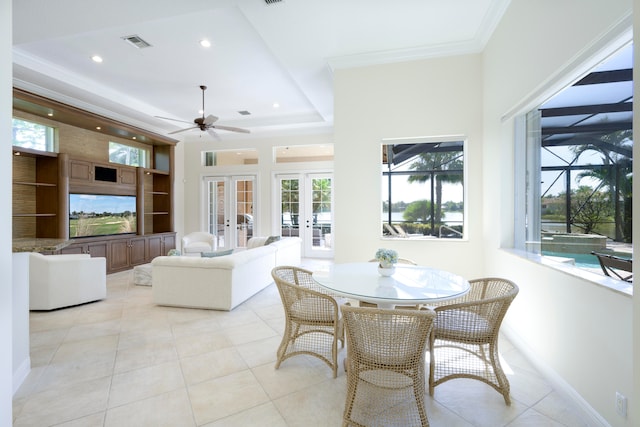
(423, 189)
(34, 136)
(128, 155)
(579, 160)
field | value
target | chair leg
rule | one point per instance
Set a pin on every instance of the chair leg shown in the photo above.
(418, 392)
(503, 382)
(432, 364)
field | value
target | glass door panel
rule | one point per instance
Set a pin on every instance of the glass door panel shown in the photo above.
(229, 214)
(244, 211)
(320, 221)
(305, 203)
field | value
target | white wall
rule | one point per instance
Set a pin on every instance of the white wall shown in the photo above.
(578, 330)
(436, 97)
(6, 311)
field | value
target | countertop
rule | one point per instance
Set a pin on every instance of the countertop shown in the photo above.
(38, 244)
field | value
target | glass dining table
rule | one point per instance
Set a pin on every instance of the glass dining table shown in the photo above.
(409, 285)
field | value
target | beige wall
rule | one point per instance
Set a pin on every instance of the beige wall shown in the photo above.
(579, 332)
(429, 98)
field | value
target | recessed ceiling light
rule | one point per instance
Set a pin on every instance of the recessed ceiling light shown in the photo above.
(205, 43)
(96, 58)
(133, 137)
(276, 105)
(50, 114)
(98, 128)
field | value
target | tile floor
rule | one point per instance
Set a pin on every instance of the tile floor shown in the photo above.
(124, 361)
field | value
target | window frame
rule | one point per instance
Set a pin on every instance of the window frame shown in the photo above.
(143, 153)
(463, 182)
(51, 136)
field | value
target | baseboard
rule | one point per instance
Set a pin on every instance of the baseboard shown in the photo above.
(557, 382)
(20, 374)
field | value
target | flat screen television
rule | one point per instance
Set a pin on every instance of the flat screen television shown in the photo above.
(101, 215)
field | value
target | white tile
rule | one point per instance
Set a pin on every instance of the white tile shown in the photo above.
(125, 361)
(221, 397)
(145, 382)
(170, 409)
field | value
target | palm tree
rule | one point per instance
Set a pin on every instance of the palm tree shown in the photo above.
(433, 162)
(615, 151)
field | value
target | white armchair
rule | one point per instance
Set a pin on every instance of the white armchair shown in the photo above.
(197, 242)
(57, 281)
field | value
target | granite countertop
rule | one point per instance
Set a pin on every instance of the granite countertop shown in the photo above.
(27, 244)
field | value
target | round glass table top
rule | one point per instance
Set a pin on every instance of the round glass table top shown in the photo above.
(410, 284)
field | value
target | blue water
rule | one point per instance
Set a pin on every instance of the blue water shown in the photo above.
(582, 260)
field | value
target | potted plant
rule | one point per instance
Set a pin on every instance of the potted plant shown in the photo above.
(387, 258)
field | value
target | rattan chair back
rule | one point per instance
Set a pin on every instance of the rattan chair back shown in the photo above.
(312, 318)
(385, 366)
(464, 342)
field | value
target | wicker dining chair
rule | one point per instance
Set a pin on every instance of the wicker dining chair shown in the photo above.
(464, 341)
(400, 261)
(312, 319)
(386, 366)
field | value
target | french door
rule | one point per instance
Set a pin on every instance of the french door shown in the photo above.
(305, 209)
(229, 209)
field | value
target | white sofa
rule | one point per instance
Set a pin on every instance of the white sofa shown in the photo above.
(57, 281)
(220, 283)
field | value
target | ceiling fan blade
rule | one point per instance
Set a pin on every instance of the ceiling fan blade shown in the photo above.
(169, 118)
(210, 119)
(231, 128)
(213, 134)
(182, 130)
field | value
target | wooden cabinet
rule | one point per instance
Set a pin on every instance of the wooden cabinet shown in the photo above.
(86, 176)
(126, 253)
(160, 244)
(93, 248)
(80, 170)
(123, 253)
(157, 201)
(38, 207)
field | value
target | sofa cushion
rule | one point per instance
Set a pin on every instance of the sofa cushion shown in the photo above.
(217, 253)
(256, 242)
(271, 239)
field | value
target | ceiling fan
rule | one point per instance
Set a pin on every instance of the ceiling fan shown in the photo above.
(205, 123)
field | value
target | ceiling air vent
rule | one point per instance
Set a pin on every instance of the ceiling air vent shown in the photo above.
(272, 1)
(244, 113)
(136, 41)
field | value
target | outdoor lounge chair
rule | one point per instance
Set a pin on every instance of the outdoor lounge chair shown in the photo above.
(614, 266)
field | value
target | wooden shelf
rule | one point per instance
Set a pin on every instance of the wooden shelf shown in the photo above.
(156, 213)
(33, 214)
(160, 193)
(35, 184)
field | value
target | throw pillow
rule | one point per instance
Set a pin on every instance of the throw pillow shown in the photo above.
(215, 254)
(173, 252)
(271, 239)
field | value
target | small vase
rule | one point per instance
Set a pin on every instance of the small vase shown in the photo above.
(386, 271)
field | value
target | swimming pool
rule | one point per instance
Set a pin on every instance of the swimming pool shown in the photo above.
(582, 260)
